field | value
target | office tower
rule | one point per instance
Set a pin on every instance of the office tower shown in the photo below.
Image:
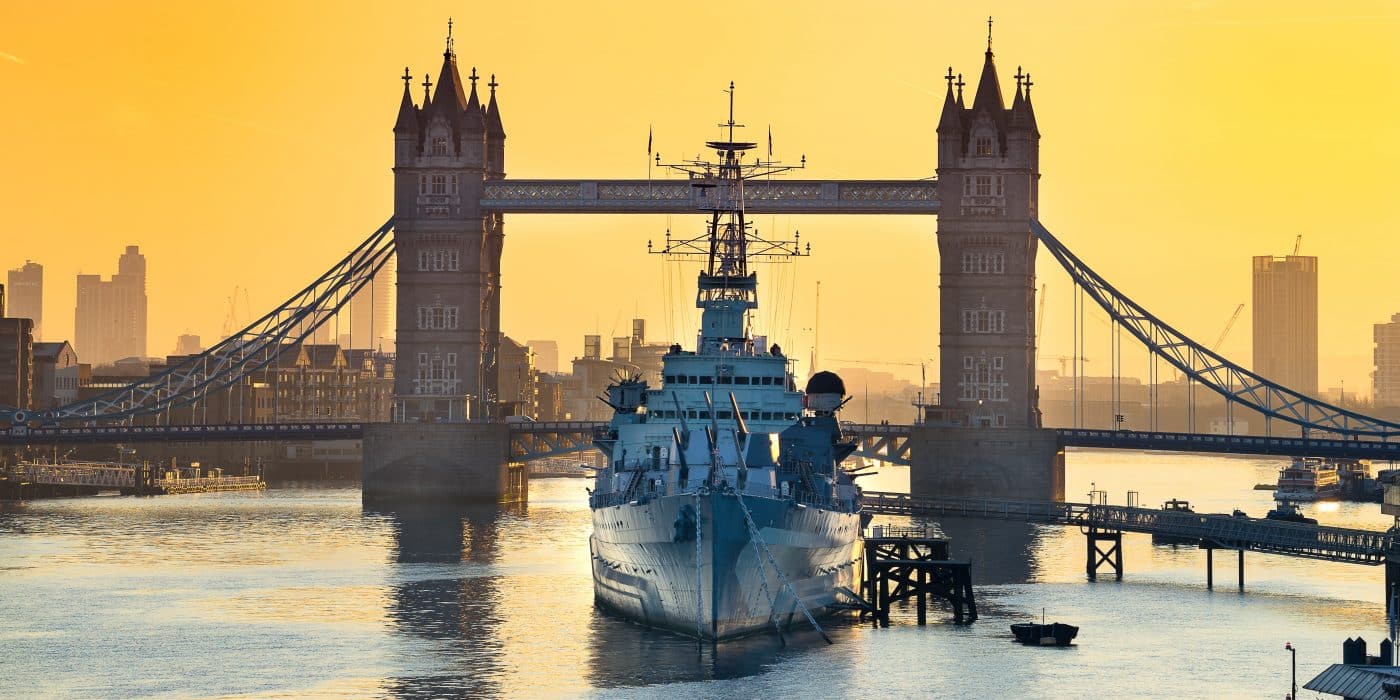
(25, 295)
(111, 314)
(1285, 321)
(1385, 378)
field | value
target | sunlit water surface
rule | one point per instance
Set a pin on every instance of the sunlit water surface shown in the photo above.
(302, 593)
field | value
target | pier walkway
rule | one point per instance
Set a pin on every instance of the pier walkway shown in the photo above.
(1220, 531)
(32, 479)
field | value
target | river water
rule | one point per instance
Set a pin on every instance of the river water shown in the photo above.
(299, 592)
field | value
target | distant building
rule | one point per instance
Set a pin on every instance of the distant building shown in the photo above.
(549, 397)
(25, 295)
(1285, 321)
(546, 355)
(1385, 378)
(111, 314)
(368, 318)
(188, 344)
(17, 363)
(517, 379)
(57, 375)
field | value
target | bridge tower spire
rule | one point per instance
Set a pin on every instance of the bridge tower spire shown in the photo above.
(988, 170)
(449, 251)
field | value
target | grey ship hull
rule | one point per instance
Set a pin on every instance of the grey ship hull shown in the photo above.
(644, 559)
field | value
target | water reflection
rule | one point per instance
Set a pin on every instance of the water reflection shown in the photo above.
(623, 654)
(446, 592)
(1001, 552)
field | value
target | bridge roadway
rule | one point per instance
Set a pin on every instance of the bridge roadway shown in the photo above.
(890, 443)
(1210, 530)
(531, 440)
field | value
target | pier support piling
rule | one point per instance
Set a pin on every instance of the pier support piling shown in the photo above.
(1210, 568)
(916, 566)
(1241, 570)
(1096, 555)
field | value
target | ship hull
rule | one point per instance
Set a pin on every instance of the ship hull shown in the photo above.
(647, 566)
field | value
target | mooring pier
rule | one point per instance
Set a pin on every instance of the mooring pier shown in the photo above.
(904, 562)
(1102, 523)
(58, 479)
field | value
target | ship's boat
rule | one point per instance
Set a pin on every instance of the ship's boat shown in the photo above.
(1039, 634)
(1176, 506)
(723, 508)
(1287, 511)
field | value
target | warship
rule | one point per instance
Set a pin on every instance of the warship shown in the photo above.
(723, 509)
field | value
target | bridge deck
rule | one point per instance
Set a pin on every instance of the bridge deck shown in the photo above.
(1223, 531)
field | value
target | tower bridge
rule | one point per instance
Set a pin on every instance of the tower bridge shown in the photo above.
(451, 198)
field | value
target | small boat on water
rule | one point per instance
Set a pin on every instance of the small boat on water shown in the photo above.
(1178, 506)
(1308, 479)
(1040, 634)
(1287, 511)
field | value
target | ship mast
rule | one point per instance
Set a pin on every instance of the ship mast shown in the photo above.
(726, 290)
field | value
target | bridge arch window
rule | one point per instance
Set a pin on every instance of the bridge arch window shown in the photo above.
(983, 146)
(439, 145)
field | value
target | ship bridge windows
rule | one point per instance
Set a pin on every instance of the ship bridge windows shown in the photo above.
(743, 380)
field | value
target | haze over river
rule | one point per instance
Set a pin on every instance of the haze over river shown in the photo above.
(299, 592)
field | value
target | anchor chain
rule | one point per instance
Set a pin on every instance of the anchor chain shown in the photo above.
(699, 577)
(758, 539)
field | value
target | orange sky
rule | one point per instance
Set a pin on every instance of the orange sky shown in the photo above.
(249, 143)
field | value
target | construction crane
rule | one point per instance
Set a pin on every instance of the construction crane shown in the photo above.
(1235, 316)
(235, 320)
(1297, 244)
(1225, 333)
(1067, 358)
(1040, 324)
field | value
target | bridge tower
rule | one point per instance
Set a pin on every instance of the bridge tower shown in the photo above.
(439, 445)
(988, 174)
(988, 179)
(449, 250)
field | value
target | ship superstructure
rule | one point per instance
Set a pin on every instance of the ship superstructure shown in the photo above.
(723, 508)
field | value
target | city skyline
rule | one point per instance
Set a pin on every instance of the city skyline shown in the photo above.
(1214, 180)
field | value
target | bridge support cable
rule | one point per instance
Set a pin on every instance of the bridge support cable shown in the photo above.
(259, 344)
(1237, 384)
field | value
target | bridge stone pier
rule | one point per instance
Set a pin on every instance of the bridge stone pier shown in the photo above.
(1025, 464)
(440, 462)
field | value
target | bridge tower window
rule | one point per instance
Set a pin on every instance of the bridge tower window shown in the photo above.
(437, 318)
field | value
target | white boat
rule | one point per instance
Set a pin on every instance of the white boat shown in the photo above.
(1308, 479)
